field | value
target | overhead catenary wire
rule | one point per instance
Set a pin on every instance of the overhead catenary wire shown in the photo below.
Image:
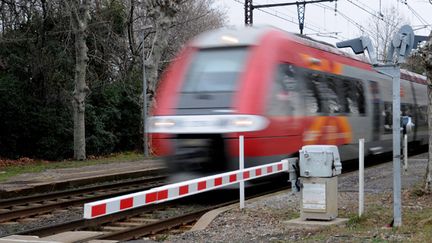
(419, 17)
(378, 16)
(315, 29)
(350, 20)
(279, 16)
(356, 3)
(310, 23)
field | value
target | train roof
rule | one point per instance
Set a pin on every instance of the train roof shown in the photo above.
(247, 36)
(413, 77)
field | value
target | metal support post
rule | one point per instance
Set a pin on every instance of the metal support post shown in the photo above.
(301, 8)
(144, 94)
(400, 46)
(241, 168)
(248, 12)
(396, 149)
(361, 176)
(405, 152)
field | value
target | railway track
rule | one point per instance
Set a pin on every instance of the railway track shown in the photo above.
(29, 206)
(144, 221)
(150, 220)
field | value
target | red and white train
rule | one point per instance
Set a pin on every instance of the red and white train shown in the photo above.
(281, 91)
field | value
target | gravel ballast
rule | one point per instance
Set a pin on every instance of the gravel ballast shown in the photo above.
(265, 220)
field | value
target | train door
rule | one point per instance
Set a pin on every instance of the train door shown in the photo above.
(376, 113)
(414, 111)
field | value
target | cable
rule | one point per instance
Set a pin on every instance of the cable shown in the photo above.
(310, 23)
(379, 16)
(316, 29)
(364, 9)
(353, 22)
(422, 20)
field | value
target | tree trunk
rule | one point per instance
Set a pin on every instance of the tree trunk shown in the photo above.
(427, 57)
(79, 10)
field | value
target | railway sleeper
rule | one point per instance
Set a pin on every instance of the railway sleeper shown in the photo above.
(114, 228)
(144, 220)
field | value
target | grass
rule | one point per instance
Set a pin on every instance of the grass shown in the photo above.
(371, 227)
(39, 166)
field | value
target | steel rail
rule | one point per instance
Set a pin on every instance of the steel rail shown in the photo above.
(79, 197)
(54, 195)
(89, 223)
(160, 226)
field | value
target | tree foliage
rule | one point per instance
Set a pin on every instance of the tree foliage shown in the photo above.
(37, 62)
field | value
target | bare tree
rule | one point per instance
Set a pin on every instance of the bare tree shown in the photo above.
(427, 61)
(166, 26)
(193, 18)
(162, 15)
(79, 17)
(383, 30)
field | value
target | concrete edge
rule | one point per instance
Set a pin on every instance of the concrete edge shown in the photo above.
(299, 222)
(208, 217)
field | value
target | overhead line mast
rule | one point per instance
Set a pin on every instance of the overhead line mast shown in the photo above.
(301, 7)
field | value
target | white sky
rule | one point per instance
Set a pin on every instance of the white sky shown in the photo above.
(321, 20)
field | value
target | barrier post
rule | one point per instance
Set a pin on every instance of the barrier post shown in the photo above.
(361, 176)
(241, 168)
(405, 152)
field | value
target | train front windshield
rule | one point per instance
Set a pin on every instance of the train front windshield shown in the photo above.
(215, 70)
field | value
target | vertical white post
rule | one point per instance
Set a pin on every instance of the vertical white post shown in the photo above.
(397, 201)
(361, 176)
(241, 167)
(405, 152)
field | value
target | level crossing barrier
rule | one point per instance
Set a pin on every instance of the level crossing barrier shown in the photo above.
(182, 189)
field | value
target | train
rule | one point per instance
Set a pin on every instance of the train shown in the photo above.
(279, 90)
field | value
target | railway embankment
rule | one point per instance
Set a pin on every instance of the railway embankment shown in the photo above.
(56, 179)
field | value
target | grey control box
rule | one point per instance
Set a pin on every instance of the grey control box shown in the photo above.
(320, 161)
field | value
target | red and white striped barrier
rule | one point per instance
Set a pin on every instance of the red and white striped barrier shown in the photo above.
(179, 190)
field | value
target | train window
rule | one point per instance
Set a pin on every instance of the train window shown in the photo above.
(388, 117)
(215, 70)
(355, 102)
(359, 92)
(329, 94)
(324, 94)
(422, 118)
(335, 98)
(406, 110)
(312, 95)
(376, 103)
(284, 92)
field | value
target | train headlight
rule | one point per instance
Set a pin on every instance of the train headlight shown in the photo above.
(243, 123)
(247, 123)
(197, 124)
(160, 124)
